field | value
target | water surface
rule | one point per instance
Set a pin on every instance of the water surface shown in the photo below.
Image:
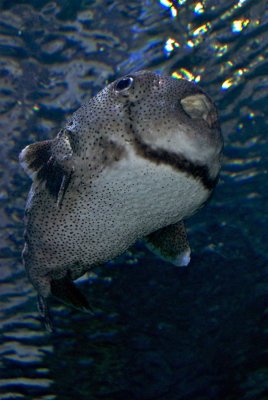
(161, 332)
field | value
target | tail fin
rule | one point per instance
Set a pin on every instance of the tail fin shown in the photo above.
(66, 291)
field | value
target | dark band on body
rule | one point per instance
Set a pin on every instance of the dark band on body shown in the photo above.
(174, 160)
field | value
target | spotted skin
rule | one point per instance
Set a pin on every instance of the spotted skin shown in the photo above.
(132, 162)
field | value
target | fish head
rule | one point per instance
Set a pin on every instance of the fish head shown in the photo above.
(144, 109)
(162, 113)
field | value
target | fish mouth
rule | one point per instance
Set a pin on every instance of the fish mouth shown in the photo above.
(159, 155)
(177, 162)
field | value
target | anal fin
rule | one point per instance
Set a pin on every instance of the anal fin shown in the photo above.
(66, 291)
(171, 244)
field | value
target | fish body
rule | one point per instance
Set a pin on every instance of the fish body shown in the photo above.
(132, 163)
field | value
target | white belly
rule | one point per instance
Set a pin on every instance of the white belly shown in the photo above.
(129, 202)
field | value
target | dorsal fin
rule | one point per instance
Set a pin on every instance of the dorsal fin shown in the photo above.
(41, 165)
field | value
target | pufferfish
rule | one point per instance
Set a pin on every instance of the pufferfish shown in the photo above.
(131, 163)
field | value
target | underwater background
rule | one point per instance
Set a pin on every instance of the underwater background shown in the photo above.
(161, 333)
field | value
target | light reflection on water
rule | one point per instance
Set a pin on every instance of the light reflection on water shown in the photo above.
(160, 333)
(220, 44)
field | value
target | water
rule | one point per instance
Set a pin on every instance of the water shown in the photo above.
(161, 333)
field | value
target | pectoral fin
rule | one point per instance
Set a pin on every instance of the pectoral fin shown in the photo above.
(40, 163)
(171, 244)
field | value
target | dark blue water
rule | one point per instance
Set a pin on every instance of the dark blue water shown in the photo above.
(161, 333)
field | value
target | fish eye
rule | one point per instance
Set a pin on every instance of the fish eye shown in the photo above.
(124, 84)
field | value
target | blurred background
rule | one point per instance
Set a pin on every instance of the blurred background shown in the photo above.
(161, 333)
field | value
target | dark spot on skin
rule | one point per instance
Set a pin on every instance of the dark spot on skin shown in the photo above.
(113, 152)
